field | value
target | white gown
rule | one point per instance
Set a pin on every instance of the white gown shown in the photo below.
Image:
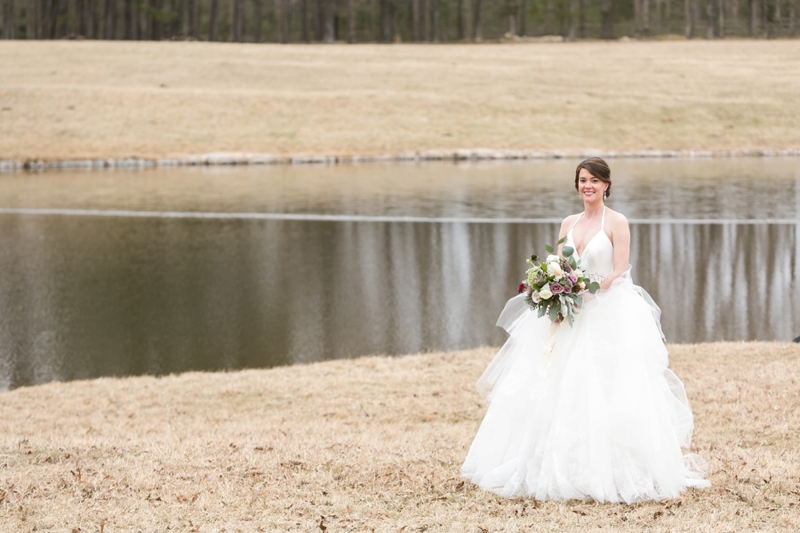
(588, 412)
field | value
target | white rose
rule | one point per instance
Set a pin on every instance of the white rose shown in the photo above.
(554, 269)
(552, 259)
(545, 293)
(535, 297)
(578, 273)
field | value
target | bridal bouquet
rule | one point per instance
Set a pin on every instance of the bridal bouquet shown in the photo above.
(553, 286)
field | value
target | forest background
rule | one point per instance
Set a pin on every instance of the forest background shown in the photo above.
(353, 21)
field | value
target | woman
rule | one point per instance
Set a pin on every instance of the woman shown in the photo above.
(588, 411)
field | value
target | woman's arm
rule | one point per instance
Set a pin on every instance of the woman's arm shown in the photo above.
(621, 239)
(566, 224)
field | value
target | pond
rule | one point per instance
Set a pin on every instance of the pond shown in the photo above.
(118, 273)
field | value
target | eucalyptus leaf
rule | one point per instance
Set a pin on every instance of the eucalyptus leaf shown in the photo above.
(567, 251)
(548, 248)
(542, 311)
(561, 241)
(594, 287)
(554, 314)
(571, 261)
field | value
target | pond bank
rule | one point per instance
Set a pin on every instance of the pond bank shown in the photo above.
(233, 159)
(371, 444)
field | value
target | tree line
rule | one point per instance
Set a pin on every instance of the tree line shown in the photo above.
(328, 21)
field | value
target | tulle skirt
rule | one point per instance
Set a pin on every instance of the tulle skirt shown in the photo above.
(588, 412)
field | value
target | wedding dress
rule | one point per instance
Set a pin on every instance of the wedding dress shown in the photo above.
(588, 412)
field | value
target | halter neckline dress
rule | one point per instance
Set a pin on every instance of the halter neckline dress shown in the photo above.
(589, 411)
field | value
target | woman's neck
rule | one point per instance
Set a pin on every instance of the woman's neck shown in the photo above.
(593, 209)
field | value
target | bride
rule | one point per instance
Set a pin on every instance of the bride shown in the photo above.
(588, 411)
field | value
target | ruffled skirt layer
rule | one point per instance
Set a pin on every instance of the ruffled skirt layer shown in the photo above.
(585, 412)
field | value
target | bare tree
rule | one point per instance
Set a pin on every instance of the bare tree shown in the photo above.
(213, 22)
(793, 18)
(437, 37)
(523, 11)
(416, 20)
(606, 19)
(460, 30)
(691, 26)
(351, 21)
(573, 15)
(710, 34)
(258, 19)
(108, 26)
(386, 26)
(477, 23)
(329, 37)
(304, 26)
(238, 21)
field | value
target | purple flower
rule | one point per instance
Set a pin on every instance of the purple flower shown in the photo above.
(522, 288)
(556, 288)
(572, 279)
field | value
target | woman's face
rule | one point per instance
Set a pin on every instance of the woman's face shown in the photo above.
(591, 189)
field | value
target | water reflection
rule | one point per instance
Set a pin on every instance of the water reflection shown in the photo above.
(86, 296)
(752, 188)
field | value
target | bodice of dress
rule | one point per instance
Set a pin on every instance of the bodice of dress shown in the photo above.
(598, 255)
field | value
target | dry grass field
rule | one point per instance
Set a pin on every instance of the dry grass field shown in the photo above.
(372, 444)
(73, 100)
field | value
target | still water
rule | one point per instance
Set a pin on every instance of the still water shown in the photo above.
(150, 272)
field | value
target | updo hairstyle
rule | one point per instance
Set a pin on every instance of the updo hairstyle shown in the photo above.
(597, 168)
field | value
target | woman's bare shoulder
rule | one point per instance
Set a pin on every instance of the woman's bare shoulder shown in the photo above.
(615, 218)
(570, 219)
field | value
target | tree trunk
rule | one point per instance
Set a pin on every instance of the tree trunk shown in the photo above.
(689, 18)
(668, 16)
(238, 20)
(30, 18)
(606, 19)
(778, 19)
(304, 26)
(573, 15)
(329, 37)
(721, 18)
(258, 19)
(460, 30)
(710, 19)
(319, 26)
(194, 30)
(351, 21)
(416, 17)
(437, 37)
(426, 20)
(386, 29)
(523, 11)
(582, 26)
(158, 24)
(7, 18)
(213, 22)
(477, 23)
(129, 20)
(657, 18)
(793, 18)
(645, 17)
(108, 27)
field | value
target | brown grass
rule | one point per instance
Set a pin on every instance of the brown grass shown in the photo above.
(372, 444)
(72, 100)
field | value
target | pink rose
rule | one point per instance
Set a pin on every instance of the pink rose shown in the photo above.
(556, 288)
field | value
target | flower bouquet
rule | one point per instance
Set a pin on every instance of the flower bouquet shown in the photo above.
(553, 286)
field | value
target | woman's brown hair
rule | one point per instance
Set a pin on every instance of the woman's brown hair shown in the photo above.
(598, 168)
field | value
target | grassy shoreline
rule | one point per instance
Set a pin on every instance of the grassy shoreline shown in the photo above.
(371, 444)
(79, 101)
